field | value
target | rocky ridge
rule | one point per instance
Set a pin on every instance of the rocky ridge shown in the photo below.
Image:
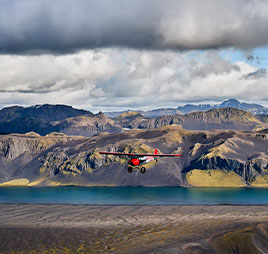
(225, 118)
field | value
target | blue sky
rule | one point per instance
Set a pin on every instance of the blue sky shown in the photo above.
(260, 56)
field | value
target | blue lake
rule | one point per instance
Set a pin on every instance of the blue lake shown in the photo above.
(134, 195)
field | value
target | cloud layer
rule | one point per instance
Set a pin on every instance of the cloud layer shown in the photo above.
(119, 54)
(116, 79)
(63, 26)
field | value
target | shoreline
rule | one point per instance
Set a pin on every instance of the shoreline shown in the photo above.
(5, 185)
(136, 205)
(56, 228)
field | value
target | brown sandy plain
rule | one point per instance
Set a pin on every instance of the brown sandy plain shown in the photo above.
(51, 229)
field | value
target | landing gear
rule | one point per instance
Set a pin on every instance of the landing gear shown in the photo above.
(143, 170)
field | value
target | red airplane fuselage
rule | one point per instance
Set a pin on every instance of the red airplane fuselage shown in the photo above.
(140, 160)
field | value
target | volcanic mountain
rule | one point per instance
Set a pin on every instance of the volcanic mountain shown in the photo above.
(44, 119)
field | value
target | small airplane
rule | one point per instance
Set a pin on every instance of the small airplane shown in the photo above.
(137, 160)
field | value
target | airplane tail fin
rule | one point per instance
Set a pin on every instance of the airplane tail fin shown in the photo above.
(155, 151)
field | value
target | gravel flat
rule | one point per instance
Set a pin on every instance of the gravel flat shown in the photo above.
(27, 228)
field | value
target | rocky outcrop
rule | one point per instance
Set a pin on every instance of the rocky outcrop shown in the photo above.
(246, 155)
(58, 159)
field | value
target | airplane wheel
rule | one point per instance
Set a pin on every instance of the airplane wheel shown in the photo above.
(129, 169)
(143, 170)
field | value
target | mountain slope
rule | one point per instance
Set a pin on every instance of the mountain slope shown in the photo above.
(226, 118)
(45, 119)
(88, 125)
(69, 160)
(223, 118)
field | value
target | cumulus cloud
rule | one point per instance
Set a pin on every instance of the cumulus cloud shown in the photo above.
(175, 80)
(116, 79)
(63, 26)
(48, 73)
(65, 79)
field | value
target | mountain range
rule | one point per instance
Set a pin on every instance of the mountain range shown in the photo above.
(48, 145)
(255, 109)
(45, 119)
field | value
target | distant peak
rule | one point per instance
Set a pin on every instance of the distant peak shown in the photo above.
(37, 106)
(129, 114)
(231, 101)
(100, 114)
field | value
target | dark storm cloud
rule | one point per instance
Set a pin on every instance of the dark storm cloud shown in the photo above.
(260, 73)
(62, 26)
(253, 59)
(22, 91)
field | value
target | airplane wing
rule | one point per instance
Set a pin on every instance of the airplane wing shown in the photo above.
(157, 155)
(117, 153)
(140, 154)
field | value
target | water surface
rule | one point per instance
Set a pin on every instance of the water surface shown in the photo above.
(134, 195)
